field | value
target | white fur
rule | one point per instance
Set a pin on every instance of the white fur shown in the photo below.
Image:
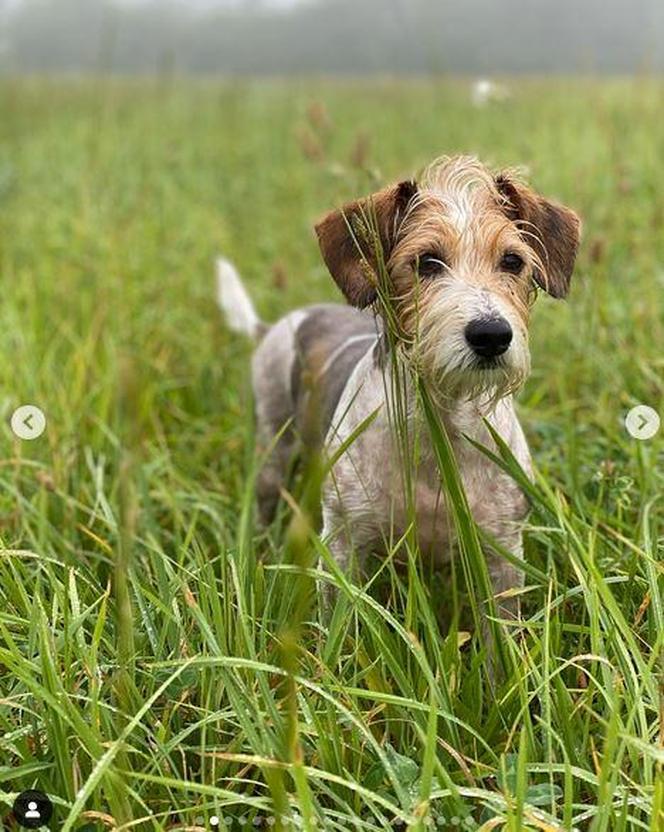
(365, 500)
(234, 301)
(459, 211)
(444, 354)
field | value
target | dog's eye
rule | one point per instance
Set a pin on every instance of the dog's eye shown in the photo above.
(511, 262)
(429, 265)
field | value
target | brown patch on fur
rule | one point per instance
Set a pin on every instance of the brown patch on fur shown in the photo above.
(348, 243)
(460, 222)
(470, 247)
(552, 230)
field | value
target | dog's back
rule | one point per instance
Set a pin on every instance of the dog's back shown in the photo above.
(299, 370)
(328, 344)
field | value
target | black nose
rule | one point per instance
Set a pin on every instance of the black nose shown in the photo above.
(489, 337)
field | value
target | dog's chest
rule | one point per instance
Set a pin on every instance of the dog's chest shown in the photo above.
(493, 498)
(386, 486)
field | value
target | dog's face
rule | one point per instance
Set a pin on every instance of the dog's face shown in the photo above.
(463, 252)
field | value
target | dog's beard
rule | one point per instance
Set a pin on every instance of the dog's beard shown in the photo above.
(453, 371)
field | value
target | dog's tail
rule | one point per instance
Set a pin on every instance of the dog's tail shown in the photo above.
(235, 302)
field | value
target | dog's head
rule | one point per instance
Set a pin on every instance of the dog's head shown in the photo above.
(455, 260)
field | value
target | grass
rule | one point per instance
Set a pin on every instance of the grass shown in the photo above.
(161, 661)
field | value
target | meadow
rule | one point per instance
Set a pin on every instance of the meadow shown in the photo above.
(162, 660)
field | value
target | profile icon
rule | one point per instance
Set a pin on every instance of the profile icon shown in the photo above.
(32, 809)
(33, 813)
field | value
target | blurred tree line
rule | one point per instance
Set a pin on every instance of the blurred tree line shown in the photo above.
(333, 36)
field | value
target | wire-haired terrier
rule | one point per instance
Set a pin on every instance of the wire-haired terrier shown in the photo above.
(440, 276)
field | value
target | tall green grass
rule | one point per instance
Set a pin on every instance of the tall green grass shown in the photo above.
(161, 659)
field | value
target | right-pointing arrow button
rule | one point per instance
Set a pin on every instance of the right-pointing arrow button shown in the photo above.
(642, 422)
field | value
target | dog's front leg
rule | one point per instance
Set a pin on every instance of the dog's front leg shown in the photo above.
(506, 581)
(345, 548)
(337, 539)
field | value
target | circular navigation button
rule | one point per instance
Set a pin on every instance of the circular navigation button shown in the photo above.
(28, 422)
(642, 422)
(32, 809)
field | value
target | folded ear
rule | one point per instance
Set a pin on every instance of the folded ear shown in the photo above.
(552, 231)
(348, 239)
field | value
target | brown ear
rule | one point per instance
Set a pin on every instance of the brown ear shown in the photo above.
(553, 232)
(348, 239)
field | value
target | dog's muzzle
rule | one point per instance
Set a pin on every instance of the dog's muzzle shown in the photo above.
(489, 337)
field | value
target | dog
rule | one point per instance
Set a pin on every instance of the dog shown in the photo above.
(439, 276)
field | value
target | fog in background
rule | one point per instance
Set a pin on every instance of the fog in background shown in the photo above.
(332, 36)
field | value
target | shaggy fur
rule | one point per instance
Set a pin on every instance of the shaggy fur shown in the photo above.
(445, 271)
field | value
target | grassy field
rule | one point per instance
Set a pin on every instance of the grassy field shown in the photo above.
(163, 662)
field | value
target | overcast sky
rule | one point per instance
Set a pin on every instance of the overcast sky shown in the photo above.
(332, 36)
(210, 4)
(203, 4)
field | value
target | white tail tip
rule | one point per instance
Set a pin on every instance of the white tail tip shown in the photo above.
(235, 302)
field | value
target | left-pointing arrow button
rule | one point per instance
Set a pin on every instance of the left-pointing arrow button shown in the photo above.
(28, 422)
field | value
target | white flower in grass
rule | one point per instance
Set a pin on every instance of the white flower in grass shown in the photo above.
(485, 92)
